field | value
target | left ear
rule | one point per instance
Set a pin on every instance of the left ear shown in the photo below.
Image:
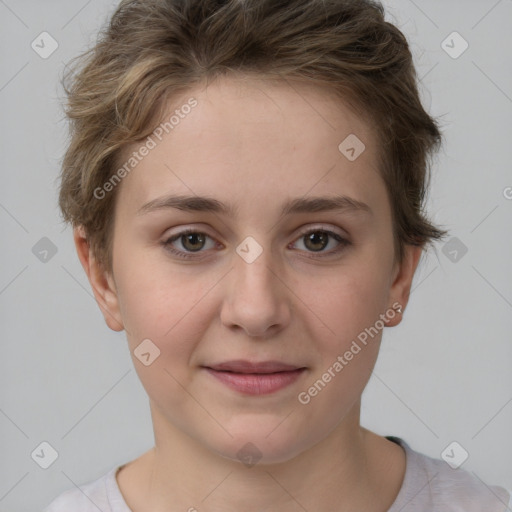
(402, 281)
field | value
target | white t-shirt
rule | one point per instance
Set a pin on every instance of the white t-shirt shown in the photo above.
(430, 485)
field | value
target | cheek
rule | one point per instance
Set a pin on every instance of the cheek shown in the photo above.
(346, 304)
(171, 308)
(174, 318)
(348, 348)
(155, 298)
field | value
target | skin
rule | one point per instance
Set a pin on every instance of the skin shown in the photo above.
(249, 139)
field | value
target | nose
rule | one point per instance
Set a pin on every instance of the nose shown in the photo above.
(256, 298)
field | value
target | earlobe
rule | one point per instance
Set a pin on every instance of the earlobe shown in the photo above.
(401, 286)
(102, 282)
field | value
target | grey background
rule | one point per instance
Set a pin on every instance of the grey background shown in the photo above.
(443, 374)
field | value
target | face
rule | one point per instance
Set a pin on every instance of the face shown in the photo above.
(252, 300)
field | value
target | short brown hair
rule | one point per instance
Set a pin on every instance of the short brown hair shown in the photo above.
(153, 50)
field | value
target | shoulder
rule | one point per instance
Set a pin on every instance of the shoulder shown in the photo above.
(91, 497)
(431, 484)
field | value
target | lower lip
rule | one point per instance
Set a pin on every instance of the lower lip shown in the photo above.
(257, 383)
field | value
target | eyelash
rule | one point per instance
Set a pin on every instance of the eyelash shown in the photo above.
(343, 243)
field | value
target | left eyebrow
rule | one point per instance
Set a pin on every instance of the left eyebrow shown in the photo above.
(293, 206)
(325, 204)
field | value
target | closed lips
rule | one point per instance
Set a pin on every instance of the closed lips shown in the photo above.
(252, 378)
(265, 367)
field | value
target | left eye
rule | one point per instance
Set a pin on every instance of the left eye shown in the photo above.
(318, 239)
(315, 241)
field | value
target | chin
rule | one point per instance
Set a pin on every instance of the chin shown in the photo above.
(255, 446)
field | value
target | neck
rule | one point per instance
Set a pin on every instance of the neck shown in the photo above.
(350, 469)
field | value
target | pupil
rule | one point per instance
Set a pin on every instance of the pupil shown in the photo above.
(317, 237)
(191, 238)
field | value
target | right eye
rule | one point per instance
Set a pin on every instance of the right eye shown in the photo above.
(191, 241)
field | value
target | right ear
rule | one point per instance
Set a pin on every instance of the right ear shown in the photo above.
(102, 282)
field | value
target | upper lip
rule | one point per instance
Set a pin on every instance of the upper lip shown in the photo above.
(242, 366)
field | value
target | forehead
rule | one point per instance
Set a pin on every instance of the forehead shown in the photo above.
(233, 111)
(254, 138)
